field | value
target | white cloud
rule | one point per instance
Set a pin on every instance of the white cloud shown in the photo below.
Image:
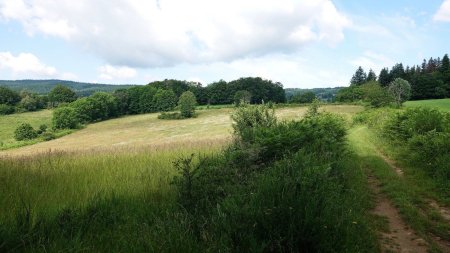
(443, 14)
(109, 72)
(374, 61)
(26, 65)
(142, 33)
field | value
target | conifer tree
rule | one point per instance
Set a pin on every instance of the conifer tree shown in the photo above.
(359, 77)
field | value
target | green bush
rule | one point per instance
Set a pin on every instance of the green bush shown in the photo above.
(6, 109)
(280, 187)
(164, 100)
(25, 132)
(8, 96)
(65, 117)
(173, 115)
(187, 103)
(48, 136)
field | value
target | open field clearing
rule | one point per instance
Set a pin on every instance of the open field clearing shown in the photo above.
(8, 123)
(442, 104)
(211, 126)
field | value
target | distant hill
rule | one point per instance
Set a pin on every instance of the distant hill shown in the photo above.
(44, 86)
(325, 94)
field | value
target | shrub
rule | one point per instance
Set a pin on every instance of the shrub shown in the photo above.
(6, 109)
(65, 117)
(164, 100)
(187, 103)
(25, 132)
(400, 90)
(42, 129)
(173, 115)
(48, 136)
(8, 96)
(247, 118)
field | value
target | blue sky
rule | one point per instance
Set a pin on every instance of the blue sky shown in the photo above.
(304, 44)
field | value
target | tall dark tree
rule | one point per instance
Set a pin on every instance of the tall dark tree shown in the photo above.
(384, 78)
(61, 94)
(371, 76)
(8, 96)
(397, 71)
(445, 64)
(359, 77)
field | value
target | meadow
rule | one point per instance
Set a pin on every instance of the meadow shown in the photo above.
(146, 130)
(442, 104)
(128, 185)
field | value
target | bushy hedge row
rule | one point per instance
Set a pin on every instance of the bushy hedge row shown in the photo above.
(279, 187)
(423, 133)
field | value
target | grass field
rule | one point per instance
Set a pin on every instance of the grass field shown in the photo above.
(110, 190)
(8, 123)
(442, 104)
(210, 127)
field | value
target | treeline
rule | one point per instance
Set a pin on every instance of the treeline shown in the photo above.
(12, 101)
(429, 80)
(323, 94)
(43, 87)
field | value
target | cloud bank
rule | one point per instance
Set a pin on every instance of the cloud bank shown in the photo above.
(142, 33)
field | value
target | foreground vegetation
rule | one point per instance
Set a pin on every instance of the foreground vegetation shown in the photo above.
(235, 199)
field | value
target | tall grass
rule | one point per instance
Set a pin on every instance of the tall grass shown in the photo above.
(75, 201)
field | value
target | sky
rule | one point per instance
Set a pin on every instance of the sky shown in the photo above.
(300, 43)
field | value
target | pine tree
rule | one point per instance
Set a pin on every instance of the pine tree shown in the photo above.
(384, 78)
(445, 64)
(397, 71)
(359, 77)
(371, 76)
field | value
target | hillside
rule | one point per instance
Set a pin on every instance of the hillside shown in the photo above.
(44, 86)
(325, 94)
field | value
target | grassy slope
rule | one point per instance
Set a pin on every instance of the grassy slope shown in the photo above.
(8, 123)
(211, 126)
(410, 193)
(443, 104)
(116, 196)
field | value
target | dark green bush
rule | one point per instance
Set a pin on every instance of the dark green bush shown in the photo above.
(25, 132)
(65, 117)
(279, 187)
(187, 103)
(6, 109)
(48, 136)
(173, 115)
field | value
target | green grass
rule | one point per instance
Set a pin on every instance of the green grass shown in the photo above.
(9, 123)
(115, 201)
(118, 198)
(211, 126)
(410, 193)
(442, 104)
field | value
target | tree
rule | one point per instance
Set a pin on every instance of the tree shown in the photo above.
(384, 78)
(303, 98)
(187, 104)
(374, 94)
(242, 97)
(371, 76)
(65, 117)
(445, 64)
(359, 77)
(61, 94)
(164, 100)
(29, 103)
(25, 132)
(400, 90)
(397, 71)
(8, 96)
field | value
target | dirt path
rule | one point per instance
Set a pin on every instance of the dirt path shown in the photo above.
(399, 237)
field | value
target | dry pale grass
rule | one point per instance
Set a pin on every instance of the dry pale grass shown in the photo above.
(210, 128)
